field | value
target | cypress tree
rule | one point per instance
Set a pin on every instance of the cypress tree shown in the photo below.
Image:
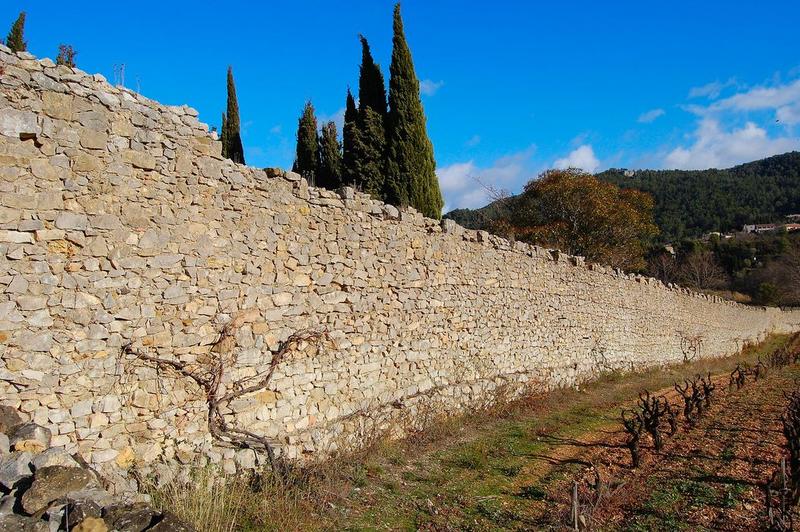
(306, 162)
(235, 150)
(16, 38)
(371, 87)
(330, 157)
(370, 139)
(411, 168)
(370, 154)
(349, 133)
(223, 136)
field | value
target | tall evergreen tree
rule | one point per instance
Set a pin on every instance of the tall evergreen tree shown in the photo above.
(223, 136)
(306, 161)
(370, 154)
(370, 139)
(411, 168)
(235, 150)
(330, 158)
(16, 38)
(371, 86)
(349, 134)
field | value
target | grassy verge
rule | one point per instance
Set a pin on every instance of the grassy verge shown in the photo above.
(487, 470)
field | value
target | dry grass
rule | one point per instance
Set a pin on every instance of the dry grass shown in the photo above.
(217, 502)
(206, 499)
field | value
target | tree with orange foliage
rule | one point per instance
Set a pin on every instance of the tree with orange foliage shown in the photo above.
(579, 214)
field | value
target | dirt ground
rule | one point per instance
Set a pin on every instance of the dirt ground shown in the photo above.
(707, 477)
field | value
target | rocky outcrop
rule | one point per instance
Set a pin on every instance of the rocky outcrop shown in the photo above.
(123, 230)
(45, 489)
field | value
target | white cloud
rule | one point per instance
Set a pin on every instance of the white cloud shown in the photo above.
(716, 147)
(276, 129)
(467, 185)
(457, 176)
(337, 117)
(711, 90)
(428, 87)
(455, 180)
(582, 157)
(789, 114)
(782, 99)
(735, 129)
(761, 98)
(649, 116)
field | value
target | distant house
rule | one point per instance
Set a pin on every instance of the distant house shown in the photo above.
(760, 228)
(769, 228)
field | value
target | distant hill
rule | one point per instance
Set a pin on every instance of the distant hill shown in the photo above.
(475, 218)
(689, 203)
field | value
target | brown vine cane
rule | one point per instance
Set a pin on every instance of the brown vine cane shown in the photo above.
(210, 381)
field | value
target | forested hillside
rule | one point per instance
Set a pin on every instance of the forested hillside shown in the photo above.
(477, 218)
(689, 203)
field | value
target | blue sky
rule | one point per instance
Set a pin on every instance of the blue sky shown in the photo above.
(510, 87)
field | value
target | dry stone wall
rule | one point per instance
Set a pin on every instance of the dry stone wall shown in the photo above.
(120, 223)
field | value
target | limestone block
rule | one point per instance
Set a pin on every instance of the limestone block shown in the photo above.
(15, 467)
(57, 105)
(53, 457)
(139, 159)
(72, 221)
(9, 419)
(86, 163)
(16, 237)
(108, 99)
(8, 215)
(18, 124)
(30, 437)
(53, 482)
(103, 456)
(96, 140)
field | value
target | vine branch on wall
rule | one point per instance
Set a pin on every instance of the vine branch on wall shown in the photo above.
(210, 382)
(691, 345)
